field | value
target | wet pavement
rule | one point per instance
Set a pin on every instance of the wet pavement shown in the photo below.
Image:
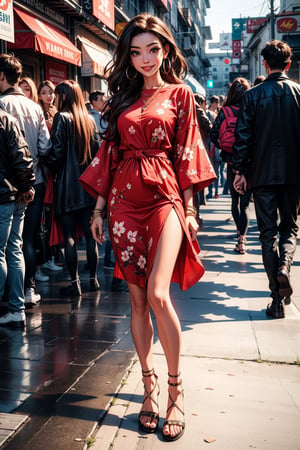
(60, 376)
(62, 370)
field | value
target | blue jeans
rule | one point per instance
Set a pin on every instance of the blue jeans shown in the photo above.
(12, 267)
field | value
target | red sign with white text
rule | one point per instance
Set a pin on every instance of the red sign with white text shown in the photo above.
(104, 10)
(55, 71)
(253, 24)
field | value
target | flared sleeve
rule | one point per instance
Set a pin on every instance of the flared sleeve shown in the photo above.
(191, 162)
(98, 176)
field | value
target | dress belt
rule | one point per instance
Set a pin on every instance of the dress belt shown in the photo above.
(148, 170)
(144, 153)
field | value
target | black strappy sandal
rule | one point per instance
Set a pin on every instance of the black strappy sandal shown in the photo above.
(169, 437)
(148, 395)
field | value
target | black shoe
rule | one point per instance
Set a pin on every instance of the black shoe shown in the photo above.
(275, 309)
(94, 285)
(73, 290)
(283, 278)
(118, 285)
(287, 300)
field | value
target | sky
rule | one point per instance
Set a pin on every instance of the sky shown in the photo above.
(221, 12)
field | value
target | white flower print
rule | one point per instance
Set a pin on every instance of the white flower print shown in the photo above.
(112, 202)
(131, 129)
(130, 249)
(114, 191)
(181, 113)
(125, 256)
(95, 161)
(118, 228)
(180, 149)
(160, 111)
(158, 134)
(128, 186)
(131, 235)
(150, 243)
(163, 174)
(188, 154)
(116, 240)
(191, 172)
(141, 262)
(166, 104)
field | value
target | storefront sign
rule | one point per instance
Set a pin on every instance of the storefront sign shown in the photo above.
(253, 25)
(6, 21)
(287, 24)
(104, 10)
(55, 71)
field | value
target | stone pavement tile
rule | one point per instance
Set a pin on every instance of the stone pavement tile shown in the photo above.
(9, 423)
(237, 404)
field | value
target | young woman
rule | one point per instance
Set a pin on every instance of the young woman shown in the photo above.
(147, 170)
(239, 203)
(46, 99)
(29, 88)
(73, 145)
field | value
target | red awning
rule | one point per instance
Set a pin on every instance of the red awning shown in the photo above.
(31, 32)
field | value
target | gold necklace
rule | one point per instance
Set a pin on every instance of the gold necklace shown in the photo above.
(149, 99)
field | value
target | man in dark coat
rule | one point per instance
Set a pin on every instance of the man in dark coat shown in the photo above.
(267, 148)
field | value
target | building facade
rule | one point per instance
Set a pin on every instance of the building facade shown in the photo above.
(76, 39)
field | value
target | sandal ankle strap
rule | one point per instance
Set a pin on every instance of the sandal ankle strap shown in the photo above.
(170, 383)
(148, 373)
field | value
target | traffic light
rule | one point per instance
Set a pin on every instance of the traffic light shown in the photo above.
(210, 83)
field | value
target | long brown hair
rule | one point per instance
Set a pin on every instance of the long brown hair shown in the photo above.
(124, 92)
(236, 91)
(70, 98)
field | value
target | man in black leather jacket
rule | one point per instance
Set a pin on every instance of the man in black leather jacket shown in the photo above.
(267, 148)
(16, 191)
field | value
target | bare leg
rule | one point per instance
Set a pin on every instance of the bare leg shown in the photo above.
(158, 294)
(142, 334)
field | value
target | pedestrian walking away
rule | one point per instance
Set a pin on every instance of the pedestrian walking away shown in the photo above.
(266, 158)
(239, 202)
(147, 170)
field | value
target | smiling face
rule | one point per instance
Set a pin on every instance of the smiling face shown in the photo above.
(147, 54)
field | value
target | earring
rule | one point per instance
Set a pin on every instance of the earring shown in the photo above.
(127, 75)
(166, 66)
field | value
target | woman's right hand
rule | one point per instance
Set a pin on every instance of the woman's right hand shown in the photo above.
(97, 230)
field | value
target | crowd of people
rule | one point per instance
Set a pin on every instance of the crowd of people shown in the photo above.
(140, 163)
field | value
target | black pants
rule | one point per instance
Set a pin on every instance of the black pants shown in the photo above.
(276, 212)
(69, 222)
(32, 223)
(239, 204)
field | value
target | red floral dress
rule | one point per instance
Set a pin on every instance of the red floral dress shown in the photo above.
(161, 154)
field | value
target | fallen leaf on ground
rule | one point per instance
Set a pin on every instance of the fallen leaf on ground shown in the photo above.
(209, 440)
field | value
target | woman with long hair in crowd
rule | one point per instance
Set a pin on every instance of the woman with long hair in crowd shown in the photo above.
(29, 88)
(147, 170)
(73, 146)
(239, 203)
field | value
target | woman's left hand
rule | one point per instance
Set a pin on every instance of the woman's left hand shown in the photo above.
(193, 226)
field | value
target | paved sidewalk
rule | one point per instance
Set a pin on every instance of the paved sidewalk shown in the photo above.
(241, 370)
